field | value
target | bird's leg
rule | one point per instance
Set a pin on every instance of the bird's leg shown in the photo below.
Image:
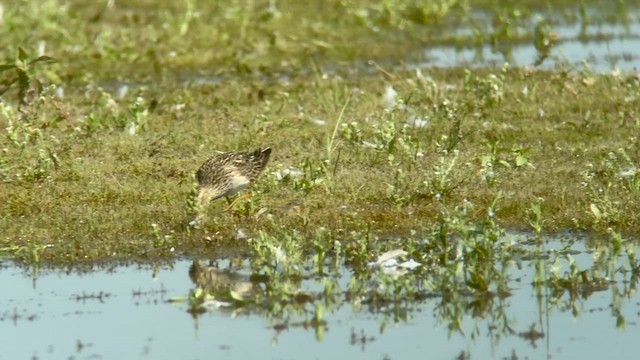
(246, 195)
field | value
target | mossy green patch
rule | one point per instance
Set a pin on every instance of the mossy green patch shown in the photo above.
(99, 147)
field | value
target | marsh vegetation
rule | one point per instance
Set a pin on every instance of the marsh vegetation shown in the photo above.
(108, 110)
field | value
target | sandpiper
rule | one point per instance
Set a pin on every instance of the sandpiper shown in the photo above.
(229, 173)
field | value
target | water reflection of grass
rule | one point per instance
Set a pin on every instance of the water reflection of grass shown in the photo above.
(468, 277)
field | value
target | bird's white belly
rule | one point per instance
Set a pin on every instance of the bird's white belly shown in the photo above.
(238, 183)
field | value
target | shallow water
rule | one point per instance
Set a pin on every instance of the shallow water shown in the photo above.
(601, 48)
(124, 313)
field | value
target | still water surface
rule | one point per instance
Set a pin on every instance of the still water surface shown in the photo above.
(124, 313)
(600, 48)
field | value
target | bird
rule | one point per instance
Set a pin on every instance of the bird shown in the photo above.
(229, 173)
(218, 282)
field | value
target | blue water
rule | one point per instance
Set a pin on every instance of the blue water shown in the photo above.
(611, 47)
(123, 313)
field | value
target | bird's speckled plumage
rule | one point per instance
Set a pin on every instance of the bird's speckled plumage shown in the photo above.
(229, 173)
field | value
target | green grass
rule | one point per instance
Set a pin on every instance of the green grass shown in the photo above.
(93, 176)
